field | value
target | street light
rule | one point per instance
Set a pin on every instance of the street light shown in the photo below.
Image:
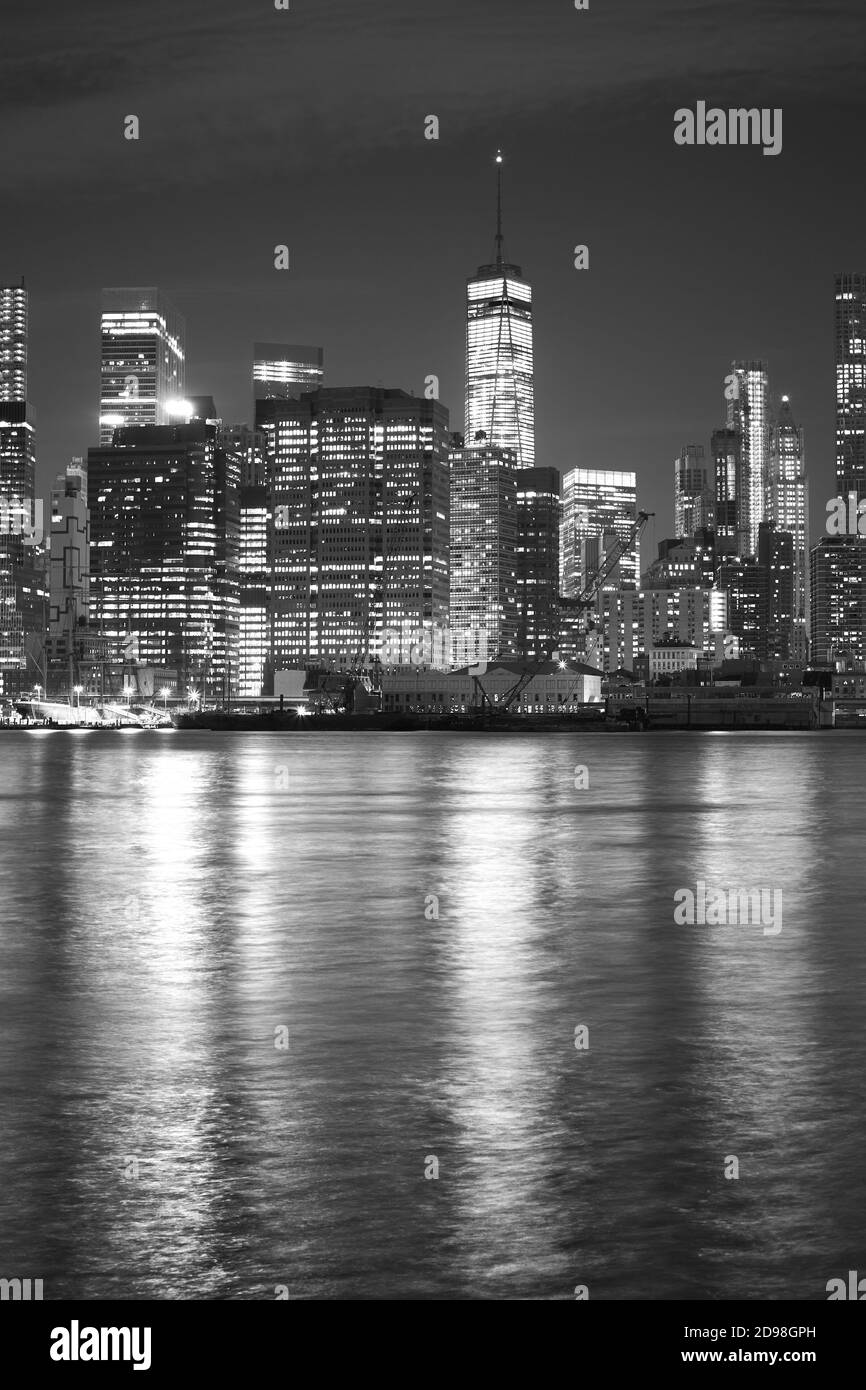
(165, 692)
(78, 689)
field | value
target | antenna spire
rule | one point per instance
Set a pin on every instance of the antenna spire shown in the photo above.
(498, 209)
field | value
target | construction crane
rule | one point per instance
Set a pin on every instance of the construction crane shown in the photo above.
(588, 593)
(585, 599)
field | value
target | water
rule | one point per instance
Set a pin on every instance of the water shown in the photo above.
(170, 901)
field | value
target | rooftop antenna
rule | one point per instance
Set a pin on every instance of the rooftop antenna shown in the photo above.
(499, 209)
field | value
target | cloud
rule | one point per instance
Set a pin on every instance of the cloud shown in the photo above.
(227, 91)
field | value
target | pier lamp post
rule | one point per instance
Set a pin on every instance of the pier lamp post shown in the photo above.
(165, 692)
(78, 689)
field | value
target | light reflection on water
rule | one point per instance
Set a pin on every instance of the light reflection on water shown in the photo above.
(167, 906)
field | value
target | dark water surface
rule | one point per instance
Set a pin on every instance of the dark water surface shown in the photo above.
(169, 900)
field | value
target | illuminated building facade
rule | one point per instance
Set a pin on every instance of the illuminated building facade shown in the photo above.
(684, 561)
(694, 491)
(637, 622)
(539, 515)
(726, 449)
(851, 384)
(360, 498)
(749, 415)
(599, 507)
(142, 363)
(256, 530)
(164, 549)
(838, 563)
(14, 328)
(787, 509)
(484, 531)
(743, 580)
(838, 590)
(500, 399)
(776, 564)
(23, 589)
(283, 371)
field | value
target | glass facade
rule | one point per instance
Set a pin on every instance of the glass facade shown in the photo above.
(539, 515)
(694, 492)
(164, 523)
(360, 522)
(599, 507)
(14, 321)
(500, 402)
(787, 509)
(748, 414)
(484, 531)
(142, 365)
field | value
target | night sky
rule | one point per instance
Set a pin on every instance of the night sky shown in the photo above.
(306, 127)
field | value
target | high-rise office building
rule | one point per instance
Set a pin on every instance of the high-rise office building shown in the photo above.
(142, 367)
(838, 595)
(69, 545)
(283, 371)
(484, 482)
(726, 449)
(636, 622)
(694, 491)
(787, 509)
(776, 563)
(14, 328)
(599, 508)
(359, 479)
(838, 563)
(23, 589)
(256, 531)
(851, 384)
(539, 515)
(164, 549)
(744, 581)
(748, 413)
(500, 400)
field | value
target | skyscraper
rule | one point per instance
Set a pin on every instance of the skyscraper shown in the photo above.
(142, 367)
(787, 509)
(837, 576)
(359, 480)
(484, 550)
(694, 493)
(726, 448)
(163, 549)
(851, 384)
(68, 565)
(256, 532)
(14, 325)
(22, 578)
(838, 563)
(599, 507)
(776, 562)
(500, 402)
(748, 413)
(539, 514)
(282, 371)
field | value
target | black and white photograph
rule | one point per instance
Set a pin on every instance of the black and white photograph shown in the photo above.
(432, 671)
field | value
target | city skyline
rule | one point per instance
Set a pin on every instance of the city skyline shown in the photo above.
(373, 255)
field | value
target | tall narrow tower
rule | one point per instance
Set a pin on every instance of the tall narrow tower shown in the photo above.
(500, 402)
